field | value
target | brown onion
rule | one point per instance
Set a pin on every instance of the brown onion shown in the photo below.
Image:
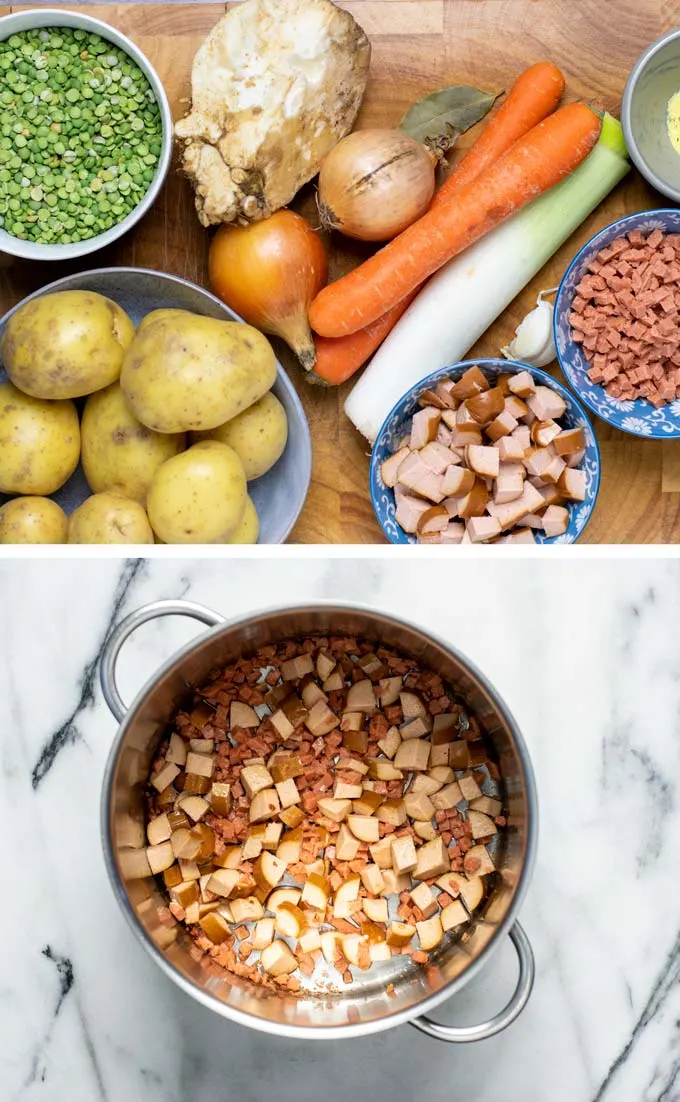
(375, 183)
(269, 272)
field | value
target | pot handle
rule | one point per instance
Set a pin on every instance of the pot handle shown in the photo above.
(125, 628)
(525, 982)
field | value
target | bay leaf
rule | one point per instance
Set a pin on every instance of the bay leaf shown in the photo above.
(440, 118)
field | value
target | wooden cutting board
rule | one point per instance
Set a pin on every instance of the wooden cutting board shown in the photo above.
(418, 46)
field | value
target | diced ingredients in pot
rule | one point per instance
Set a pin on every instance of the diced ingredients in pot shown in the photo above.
(625, 315)
(487, 463)
(355, 831)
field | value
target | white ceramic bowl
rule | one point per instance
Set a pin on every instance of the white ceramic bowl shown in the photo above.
(52, 17)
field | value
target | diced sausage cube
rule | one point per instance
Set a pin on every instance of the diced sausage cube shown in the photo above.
(555, 520)
(501, 426)
(509, 485)
(458, 481)
(569, 441)
(408, 513)
(389, 469)
(508, 514)
(572, 484)
(483, 460)
(522, 384)
(483, 528)
(424, 427)
(545, 404)
(436, 456)
(509, 447)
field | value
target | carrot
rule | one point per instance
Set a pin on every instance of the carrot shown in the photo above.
(532, 165)
(338, 358)
(534, 95)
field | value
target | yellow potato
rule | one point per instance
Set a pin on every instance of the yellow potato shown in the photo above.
(198, 496)
(258, 435)
(185, 372)
(120, 455)
(32, 520)
(66, 344)
(109, 518)
(39, 443)
(249, 526)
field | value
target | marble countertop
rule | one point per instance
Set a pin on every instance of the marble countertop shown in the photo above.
(585, 654)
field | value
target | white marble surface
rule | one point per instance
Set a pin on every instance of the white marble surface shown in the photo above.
(586, 655)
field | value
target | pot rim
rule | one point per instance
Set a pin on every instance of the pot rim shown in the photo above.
(352, 1029)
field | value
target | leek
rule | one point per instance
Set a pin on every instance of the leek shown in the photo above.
(462, 300)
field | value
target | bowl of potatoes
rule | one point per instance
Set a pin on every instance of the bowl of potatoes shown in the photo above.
(136, 408)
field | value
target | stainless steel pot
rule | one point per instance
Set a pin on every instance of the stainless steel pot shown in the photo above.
(364, 1007)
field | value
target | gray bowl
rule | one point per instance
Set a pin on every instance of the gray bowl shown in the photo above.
(49, 17)
(279, 494)
(655, 77)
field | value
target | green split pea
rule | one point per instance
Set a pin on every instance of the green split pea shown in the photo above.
(80, 135)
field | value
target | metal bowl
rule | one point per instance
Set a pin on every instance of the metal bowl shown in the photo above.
(337, 1010)
(395, 427)
(50, 17)
(279, 494)
(654, 78)
(639, 418)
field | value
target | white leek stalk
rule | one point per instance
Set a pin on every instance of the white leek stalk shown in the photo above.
(462, 300)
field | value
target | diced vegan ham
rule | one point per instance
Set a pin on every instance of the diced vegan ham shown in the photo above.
(626, 318)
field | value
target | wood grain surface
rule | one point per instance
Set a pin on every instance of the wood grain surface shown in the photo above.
(418, 46)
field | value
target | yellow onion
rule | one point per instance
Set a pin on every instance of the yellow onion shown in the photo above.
(269, 272)
(375, 183)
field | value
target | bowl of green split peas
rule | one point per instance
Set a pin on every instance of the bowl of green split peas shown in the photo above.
(85, 134)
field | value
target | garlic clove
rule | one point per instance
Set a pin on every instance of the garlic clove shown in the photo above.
(533, 342)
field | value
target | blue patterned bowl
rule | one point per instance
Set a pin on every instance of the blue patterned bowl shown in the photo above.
(639, 418)
(396, 424)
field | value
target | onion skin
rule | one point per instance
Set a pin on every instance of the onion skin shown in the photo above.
(375, 183)
(269, 272)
